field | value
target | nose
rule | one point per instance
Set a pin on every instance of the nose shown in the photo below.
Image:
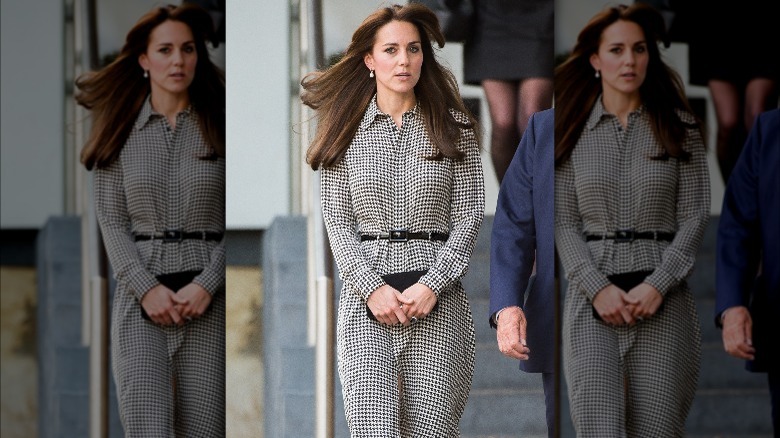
(630, 57)
(178, 57)
(403, 59)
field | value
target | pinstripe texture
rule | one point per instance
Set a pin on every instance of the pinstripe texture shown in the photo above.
(382, 183)
(159, 182)
(608, 184)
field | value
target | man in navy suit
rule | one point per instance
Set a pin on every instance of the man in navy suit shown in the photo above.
(523, 232)
(748, 257)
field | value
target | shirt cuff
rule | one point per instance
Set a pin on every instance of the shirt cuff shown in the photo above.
(592, 283)
(141, 281)
(661, 280)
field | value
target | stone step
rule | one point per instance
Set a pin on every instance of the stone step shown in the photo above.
(504, 413)
(719, 371)
(493, 370)
(727, 412)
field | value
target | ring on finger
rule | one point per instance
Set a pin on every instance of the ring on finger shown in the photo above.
(413, 319)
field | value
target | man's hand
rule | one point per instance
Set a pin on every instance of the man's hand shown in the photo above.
(738, 333)
(511, 333)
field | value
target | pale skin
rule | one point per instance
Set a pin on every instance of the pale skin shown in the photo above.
(621, 61)
(170, 60)
(396, 59)
(511, 333)
(738, 333)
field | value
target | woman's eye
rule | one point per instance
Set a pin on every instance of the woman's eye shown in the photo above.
(641, 49)
(615, 50)
(390, 50)
(414, 49)
(165, 49)
(189, 49)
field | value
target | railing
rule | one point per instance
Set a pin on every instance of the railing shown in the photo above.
(320, 262)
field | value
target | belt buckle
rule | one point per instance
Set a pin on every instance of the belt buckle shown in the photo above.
(624, 235)
(398, 235)
(172, 236)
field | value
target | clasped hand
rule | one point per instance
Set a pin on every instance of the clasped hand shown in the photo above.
(391, 307)
(166, 307)
(616, 307)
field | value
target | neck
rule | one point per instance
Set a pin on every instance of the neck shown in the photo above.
(621, 104)
(169, 104)
(395, 105)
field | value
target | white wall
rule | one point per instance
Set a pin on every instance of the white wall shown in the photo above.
(572, 15)
(31, 107)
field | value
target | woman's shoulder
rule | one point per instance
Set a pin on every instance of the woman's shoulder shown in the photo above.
(687, 118)
(459, 116)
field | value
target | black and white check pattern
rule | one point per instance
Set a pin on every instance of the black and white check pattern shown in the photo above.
(384, 182)
(609, 184)
(158, 183)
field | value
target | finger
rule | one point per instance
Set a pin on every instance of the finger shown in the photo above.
(630, 299)
(175, 316)
(626, 316)
(179, 299)
(402, 318)
(403, 299)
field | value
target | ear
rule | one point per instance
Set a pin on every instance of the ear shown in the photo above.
(143, 61)
(595, 61)
(368, 59)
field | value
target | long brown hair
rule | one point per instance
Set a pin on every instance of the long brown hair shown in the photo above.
(116, 93)
(662, 92)
(341, 93)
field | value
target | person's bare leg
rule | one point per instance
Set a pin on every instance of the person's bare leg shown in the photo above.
(761, 95)
(535, 94)
(731, 134)
(502, 103)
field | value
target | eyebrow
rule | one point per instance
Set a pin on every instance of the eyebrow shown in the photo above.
(396, 44)
(171, 44)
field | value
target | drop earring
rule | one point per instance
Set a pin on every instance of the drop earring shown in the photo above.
(371, 74)
(146, 73)
(598, 74)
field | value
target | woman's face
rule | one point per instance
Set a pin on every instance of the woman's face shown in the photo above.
(170, 58)
(396, 58)
(622, 58)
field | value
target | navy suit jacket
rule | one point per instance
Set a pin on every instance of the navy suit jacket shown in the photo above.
(523, 228)
(749, 232)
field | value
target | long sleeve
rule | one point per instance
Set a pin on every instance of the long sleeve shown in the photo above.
(581, 270)
(342, 231)
(213, 276)
(466, 215)
(739, 231)
(114, 220)
(693, 212)
(513, 239)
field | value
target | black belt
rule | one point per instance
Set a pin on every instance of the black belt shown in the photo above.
(402, 235)
(631, 235)
(169, 236)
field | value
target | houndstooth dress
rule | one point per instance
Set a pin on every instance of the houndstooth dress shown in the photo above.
(158, 183)
(609, 183)
(384, 183)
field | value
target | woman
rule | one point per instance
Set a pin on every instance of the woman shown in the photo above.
(157, 147)
(510, 54)
(737, 67)
(402, 193)
(631, 203)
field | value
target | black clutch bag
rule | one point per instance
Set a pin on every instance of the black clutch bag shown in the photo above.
(401, 281)
(174, 281)
(627, 281)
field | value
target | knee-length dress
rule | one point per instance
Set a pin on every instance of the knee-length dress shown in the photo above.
(384, 182)
(165, 179)
(610, 183)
